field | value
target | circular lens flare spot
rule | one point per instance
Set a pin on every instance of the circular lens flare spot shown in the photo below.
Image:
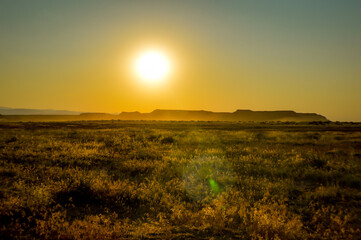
(214, 186)
(206, 177)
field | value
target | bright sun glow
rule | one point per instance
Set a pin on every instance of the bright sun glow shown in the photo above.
(152, 66)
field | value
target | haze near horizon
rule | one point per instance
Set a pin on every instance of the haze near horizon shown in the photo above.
(113, 56)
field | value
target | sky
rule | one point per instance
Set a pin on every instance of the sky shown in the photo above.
(226, 55)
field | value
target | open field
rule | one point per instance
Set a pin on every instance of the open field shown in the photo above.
(179, 180)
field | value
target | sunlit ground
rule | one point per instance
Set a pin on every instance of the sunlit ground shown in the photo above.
(169, 180)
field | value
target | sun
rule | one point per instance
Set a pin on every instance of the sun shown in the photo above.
(152, 66)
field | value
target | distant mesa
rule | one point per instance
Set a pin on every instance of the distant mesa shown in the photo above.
(239, 115)
(13, 114)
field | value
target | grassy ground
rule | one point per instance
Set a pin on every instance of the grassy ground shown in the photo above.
(177, 180)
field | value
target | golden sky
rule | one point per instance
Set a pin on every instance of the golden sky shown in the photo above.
(226, 55)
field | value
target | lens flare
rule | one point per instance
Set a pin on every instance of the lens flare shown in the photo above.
(214, 186)
(206, 177)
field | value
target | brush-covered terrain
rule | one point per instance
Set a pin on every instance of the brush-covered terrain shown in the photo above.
(180, 180)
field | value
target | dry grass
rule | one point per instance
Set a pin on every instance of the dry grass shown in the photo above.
(169, 180)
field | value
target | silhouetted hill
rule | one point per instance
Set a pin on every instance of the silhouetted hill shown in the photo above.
(10, 114)
(239, 115)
